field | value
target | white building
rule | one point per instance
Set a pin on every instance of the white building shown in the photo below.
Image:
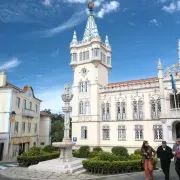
(122, 113)
(24, 130)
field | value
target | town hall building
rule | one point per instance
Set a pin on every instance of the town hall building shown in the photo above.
(121, 113)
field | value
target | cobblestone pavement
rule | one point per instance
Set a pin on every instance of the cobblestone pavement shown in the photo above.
(23, 174)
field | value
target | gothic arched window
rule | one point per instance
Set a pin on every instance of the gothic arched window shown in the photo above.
(140, 109)
(123, 105)
(80, 57)
(121, 132)
(87, 107)
(153, 109)
(81, 109)
(105, 132)
(85, 86)
(118, 106)
(158, 102)
(135, 110)
(107, 111)
(103, 111)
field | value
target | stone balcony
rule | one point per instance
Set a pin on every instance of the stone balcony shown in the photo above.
(172, 114)
(28, 113)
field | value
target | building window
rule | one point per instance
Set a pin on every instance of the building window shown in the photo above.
(36, 108)
(42, 143)
(34, 144)
(139, 132)
(158, 132)
(35, 128)
(81, 87)
(103, 111)
(85, 86)
(121, 110)
(16, 127)
(30, 105)
(29, 127)
(17, 102)
(121, 132)
(24, 104)
(81, 109)
(87, 55)
(107, 111)
(172, 101)
(155, 108)
(74, 57)
(96, 52)
(80, 57)
(138, 110)
(109, 60)
(105, 132)
(83, 132)
(87, 107)
(23, 127)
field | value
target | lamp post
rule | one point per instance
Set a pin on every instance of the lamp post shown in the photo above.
(11, 120)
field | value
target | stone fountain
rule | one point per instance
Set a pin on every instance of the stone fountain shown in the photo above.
(66, 163)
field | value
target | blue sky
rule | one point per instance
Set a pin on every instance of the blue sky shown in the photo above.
(35, 37)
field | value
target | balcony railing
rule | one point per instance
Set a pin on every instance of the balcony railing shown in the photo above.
(173, 113)
(28, 113)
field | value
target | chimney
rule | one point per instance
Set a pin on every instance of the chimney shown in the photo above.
(2, 79)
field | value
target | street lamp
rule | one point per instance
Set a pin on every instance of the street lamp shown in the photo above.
(11, 120)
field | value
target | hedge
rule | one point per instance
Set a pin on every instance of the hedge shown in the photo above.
(25, 161)
(114, 167)
(119, 150)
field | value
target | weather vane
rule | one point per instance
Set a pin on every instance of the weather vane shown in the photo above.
(91, 5)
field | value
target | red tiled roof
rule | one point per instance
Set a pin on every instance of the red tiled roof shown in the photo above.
(134, 82)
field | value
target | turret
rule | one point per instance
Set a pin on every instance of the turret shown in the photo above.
(107, 41)
(74, 40)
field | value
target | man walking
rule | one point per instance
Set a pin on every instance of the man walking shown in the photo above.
(176, 152)
(165, 155)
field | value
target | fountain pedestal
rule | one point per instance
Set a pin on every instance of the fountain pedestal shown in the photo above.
(65, 163)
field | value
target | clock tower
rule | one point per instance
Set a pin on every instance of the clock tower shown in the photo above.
(91, 63)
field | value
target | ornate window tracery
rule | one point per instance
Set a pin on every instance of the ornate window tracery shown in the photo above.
(84, 132)
(107, 111)
(138, 109)
(81, 86)
(105, 132)
(139, 132)
(155, 108)
(103, 111)
(87, 107)
(81, 108)
(174, 101)
(121, 132)
(121, 110)
(158, 132)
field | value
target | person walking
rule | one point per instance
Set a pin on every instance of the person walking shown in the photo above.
(164, 153)
(148, 154)
(176, 153)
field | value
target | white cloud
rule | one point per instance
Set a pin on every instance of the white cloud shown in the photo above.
(154, 22)
(47, 2)
(10, 64)
(55, 53)
(51, 98)
(108, 8)
(76, 19)
(173, 7)
(131, 24)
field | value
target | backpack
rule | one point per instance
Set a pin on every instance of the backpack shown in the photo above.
(178, 154)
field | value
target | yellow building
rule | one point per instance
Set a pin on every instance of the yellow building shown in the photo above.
(19, 119)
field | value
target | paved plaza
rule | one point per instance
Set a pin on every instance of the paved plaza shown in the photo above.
(24, 174)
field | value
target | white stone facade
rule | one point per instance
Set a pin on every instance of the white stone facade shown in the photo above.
(124, 113)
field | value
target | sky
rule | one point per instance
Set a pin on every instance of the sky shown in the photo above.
(35, 36)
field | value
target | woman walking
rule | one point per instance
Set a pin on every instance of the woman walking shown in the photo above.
(148, 154)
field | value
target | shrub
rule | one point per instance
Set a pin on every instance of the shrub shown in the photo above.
(33, 151)
(134, 156)
(137, 151)
(25, 161)
(76, 153)
(120, 151)
(107, 167)
(84, 151)
(97, 149)
(49, 148)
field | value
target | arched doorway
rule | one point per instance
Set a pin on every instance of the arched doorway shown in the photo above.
(178, 130)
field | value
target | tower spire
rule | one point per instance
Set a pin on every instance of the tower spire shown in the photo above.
(160, 67)
(107, 41)
(178, 49)
(74, 40)
(91, 27)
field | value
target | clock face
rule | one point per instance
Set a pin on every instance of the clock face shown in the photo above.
(84, 71)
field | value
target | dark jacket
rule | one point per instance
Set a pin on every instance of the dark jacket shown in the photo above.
(164, 156)
(150, 153)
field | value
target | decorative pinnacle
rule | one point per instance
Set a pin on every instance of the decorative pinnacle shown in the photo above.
(74, 37)
(91, 5)
(107, 41)
(159, 64)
